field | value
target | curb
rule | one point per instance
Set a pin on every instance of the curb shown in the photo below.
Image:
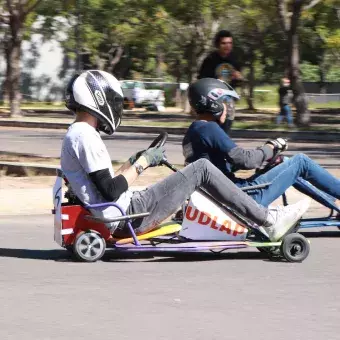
(26, 169)
(251, 134)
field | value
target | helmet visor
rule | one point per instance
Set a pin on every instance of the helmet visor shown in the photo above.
(230, 105)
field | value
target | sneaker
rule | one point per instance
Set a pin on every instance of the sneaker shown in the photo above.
(284, 219)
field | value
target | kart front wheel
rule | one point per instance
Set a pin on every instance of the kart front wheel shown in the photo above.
(295, 247)
(89, 246)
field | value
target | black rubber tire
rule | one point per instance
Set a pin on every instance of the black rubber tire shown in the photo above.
(96, 246)
(295, 247)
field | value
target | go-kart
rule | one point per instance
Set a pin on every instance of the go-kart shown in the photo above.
(207, 225)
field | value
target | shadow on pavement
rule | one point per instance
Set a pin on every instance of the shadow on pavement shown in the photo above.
(188, 257)
(36, 254)
(323, 234)
(60, 255)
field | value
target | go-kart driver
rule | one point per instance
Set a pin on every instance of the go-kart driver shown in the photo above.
(207, 137)
(97, 100)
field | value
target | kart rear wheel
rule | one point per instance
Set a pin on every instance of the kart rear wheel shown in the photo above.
(89, 246)
(295, 247)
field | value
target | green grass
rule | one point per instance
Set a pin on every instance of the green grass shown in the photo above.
(261, 100)
(271, 99)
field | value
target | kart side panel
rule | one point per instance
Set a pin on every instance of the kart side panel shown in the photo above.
(204, 220)
(57, 200)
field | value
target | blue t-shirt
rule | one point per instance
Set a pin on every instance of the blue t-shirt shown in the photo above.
(207, 140)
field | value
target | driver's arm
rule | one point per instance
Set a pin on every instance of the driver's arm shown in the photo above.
(112, 188)
(94, 159)
(249, 159)
(235, 155)
(124, 167)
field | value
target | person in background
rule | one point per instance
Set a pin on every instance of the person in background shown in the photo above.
(222, 63)
(284, 101)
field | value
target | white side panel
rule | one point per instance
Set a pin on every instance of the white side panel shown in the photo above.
(57, 199)
(204, 220)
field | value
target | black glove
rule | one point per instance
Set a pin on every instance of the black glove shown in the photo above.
(280, 144)
(154, 156)
(134, 157)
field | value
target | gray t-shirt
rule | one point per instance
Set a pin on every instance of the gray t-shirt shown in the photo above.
(83, 152)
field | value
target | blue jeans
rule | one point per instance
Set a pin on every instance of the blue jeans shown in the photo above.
(293, 172)
(285, 112)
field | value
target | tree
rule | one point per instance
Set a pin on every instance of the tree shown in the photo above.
(14, 17)
(289, 13)
(248, 22)
(320, 37)
(195, 23)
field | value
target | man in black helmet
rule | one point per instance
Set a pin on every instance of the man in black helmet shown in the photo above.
(222, 63)
(97, 100)
(208, 138)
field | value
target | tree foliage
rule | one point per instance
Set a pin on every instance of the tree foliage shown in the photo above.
(169, 39)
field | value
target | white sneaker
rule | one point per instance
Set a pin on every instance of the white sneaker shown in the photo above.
(283, 219)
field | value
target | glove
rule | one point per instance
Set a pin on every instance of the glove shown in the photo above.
(154, 156)
(280, 144)
(135, 156)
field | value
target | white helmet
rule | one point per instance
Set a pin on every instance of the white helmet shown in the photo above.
(98, 93)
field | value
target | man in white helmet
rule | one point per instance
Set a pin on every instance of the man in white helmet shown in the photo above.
(97, 100)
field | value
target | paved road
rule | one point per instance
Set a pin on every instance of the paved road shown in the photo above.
(122, 145)
(236, 296)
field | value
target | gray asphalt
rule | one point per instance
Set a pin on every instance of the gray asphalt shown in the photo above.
(121, 145)
(44, 295)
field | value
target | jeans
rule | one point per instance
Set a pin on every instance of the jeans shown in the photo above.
(294, 172)
(164, 198)
(285, 112)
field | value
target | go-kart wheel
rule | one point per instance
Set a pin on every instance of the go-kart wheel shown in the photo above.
(159, 140)
(89, 246)
(295, 247)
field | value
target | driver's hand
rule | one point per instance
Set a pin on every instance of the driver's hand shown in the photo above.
(278, 144)
(154, 156)
(135, 156)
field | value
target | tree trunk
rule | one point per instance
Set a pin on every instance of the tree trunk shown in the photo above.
(13, 71)
(251, 83)
(159, 62)
(13, 64)
(322, 73)
(300, 98)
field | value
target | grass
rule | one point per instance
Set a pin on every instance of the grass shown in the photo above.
(261, 100)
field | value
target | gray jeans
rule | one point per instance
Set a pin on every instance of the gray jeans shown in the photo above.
(164, 198)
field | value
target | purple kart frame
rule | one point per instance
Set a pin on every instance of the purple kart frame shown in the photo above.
(187, 246)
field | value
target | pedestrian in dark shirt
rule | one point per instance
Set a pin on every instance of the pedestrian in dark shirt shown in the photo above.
(284, 101)
(222, 63)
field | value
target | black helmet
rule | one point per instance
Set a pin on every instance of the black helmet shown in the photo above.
(98, 93)
(208, 94)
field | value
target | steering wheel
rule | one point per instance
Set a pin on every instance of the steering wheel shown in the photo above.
(159, 140)
(276, 160)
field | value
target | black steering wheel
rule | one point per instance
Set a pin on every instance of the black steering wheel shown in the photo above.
(159, 140)
(276, 160)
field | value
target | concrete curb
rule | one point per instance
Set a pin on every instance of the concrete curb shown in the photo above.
(27, 169)
(251, 134)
